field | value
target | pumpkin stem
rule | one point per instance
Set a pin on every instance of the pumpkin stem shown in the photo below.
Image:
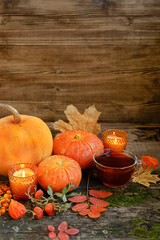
(16, 115)
(60, 163)
(77, 137)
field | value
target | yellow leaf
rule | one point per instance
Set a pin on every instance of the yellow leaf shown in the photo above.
(145, 177)
(77, 121)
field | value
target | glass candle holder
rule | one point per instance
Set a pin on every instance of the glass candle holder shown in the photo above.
(115, 139)
(22, 176)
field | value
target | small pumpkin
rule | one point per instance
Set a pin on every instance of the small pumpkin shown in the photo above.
(24, 139)
(57, 172)
(79, 145)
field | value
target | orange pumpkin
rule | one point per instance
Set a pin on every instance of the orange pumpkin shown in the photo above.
(79, 145)
(24, 139)
(57, 172)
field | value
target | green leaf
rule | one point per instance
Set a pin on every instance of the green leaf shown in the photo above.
(66, 189)
(50, 191)
(64, 198)
(72, 194)
(67, 206)
(58, 194)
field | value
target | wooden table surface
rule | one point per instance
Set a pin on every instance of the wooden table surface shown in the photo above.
(139, 219)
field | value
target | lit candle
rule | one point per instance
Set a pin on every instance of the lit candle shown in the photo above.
(115, 139)
(25, 172)
(21, 178)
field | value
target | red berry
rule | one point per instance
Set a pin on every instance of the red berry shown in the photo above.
(39, 194)
(50, 209)
(38, 213)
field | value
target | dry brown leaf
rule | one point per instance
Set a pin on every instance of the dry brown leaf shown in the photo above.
(77, 121)
(145, 177)
(62, 126)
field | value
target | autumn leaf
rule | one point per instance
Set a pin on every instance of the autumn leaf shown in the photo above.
(78, 199)
(145, 177)
(98, 202)
(99, 193)
(80, 207)
(63, 226)
(95, 208)
(51, 228)
(52, 235)
(84, 212)
(94, 215)
(77, 121)
(72, 231)
(63, 236)
(92, 210)
(63, 231)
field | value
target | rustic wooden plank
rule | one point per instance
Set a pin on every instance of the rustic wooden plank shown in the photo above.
(94, 21)
(76, 7)
(92, 30)
(83, 61)
(52, 111)
(101, 90)
(114, 32)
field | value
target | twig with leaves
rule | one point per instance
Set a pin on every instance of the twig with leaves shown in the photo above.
(59, 199)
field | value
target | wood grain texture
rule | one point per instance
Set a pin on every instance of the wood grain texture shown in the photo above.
(54, 53)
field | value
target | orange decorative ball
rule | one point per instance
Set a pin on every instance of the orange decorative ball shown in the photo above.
(57, 172)
(79, 145)
(23, 139)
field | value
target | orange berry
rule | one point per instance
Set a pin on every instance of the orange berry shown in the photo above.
(3, 200)
(5, 205)
(8, 191)
(3, 211)
(7, 200)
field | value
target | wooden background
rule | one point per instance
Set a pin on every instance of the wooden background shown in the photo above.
(59, 52)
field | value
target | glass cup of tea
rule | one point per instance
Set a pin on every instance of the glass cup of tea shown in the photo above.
(115, 168)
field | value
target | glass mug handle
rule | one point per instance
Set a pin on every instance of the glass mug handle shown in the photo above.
(137, 171)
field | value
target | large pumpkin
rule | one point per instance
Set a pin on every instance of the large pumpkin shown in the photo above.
(24, 139)
(57, 172)
(79, 145)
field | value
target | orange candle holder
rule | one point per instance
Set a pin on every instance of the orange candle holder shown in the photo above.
(21, 177)
(115, 139)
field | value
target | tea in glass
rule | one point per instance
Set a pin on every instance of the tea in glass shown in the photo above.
(115, 168)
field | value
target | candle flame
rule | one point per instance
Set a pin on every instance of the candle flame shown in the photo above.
(23, 173)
